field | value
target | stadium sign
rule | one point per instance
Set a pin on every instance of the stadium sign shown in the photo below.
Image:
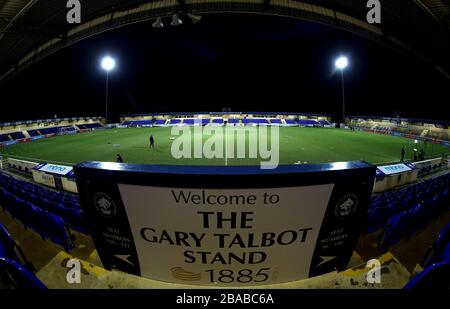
(61, 170)
(229, 226)
(395, 169)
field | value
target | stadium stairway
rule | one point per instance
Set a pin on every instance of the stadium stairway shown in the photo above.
(26, 134)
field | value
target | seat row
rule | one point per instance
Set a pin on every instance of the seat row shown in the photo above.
(14, 272)
(385, 206)
(63, 205)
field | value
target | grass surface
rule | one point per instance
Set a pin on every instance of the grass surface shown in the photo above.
(311, 145)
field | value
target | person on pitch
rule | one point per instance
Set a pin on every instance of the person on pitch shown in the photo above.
(152, 141)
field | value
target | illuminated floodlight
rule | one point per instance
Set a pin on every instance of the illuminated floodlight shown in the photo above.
(108, 63)
(341, 63)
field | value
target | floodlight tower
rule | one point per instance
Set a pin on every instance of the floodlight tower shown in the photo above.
(108, 64)
(342, 63)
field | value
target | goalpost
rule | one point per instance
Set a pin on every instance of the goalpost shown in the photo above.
(66, 130)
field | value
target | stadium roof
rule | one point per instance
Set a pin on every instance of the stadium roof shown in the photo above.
(31, 30)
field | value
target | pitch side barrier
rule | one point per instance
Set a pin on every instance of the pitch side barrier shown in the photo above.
(225, 225)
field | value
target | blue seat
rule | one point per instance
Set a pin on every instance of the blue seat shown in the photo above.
(13, 208)
(446, 254)
(2, 198)
(75, 219)
(160, 122)
(378, 216)
(175, 121)
(26, 213)
(9, 202)
(16, 276)
(10, 250)
(4, 137)
(15, 194)
(4, 250)
(441, 247)
(398, 227)
(234, 120)
(53, 227)
(418, 218)
(435, 276)
(7, 244)
(50, 206)
(191, 121)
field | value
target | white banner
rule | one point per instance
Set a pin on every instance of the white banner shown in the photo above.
(227, 237)
(56, 169)
(394, 168)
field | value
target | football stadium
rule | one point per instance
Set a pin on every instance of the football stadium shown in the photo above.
(224, 144)
(309, 143)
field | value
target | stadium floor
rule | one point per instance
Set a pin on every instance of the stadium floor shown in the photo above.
(297, 145)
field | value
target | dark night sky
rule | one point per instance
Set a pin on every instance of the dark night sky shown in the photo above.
(246, 62)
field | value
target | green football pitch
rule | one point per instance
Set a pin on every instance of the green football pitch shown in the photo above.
(296, 145)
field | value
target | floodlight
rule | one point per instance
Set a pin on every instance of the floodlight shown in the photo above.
(108, 63)
(341, 63)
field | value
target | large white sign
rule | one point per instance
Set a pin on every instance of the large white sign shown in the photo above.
(226, 226)
(225, 237)
(394, 168)
(56, 169)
